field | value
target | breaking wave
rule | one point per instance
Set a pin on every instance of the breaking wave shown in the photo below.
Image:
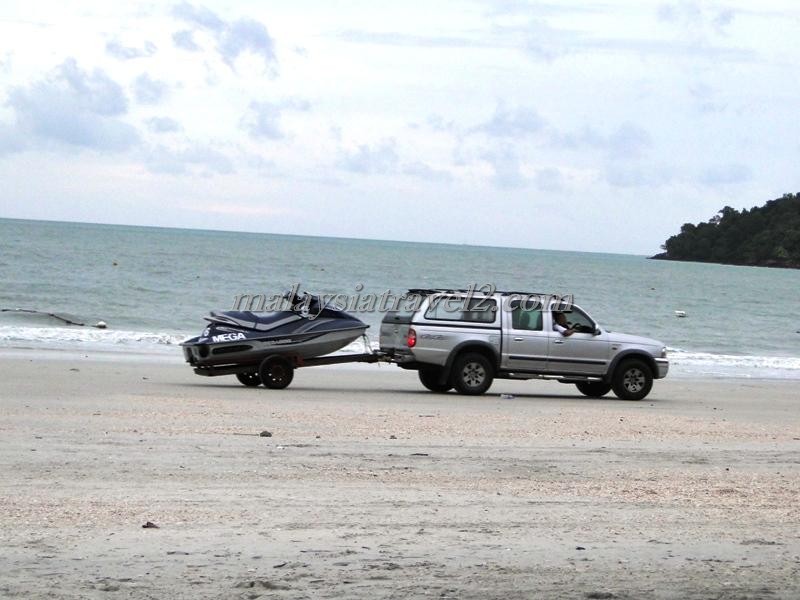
(684, 362)
(88, 338)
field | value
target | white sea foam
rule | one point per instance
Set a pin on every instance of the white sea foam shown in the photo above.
(90, 338)
(684, 362)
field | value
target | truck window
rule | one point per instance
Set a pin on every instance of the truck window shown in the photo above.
(580, 320)
(475, 310)
(526, 320)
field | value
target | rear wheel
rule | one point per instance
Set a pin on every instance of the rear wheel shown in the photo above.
(276, 372)
(472, 374)
(430, 379)
(593, 389)
(250, 379)
(632, 379)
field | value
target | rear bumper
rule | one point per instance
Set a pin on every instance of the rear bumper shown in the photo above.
(663, 368)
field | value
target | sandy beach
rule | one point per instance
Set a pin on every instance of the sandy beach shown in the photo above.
(371, 487)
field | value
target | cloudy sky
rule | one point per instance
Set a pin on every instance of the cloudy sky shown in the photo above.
(599, 126)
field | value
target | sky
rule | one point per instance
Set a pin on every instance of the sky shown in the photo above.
(591, 126)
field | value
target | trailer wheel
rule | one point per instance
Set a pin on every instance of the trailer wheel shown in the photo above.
(276, 372)
(250, 379)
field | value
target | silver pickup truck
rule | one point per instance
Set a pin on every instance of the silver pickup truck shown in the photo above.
(464, 340)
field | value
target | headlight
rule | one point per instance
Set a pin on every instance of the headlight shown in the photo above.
(664, 352)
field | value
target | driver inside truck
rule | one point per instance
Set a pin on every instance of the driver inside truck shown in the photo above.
(560, 324)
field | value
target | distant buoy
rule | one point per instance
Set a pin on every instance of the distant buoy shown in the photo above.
(101, 325)
(680, 313)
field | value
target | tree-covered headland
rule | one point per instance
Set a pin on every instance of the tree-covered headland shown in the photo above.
(766, 236)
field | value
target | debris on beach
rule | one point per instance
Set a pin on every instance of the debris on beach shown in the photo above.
(265, 433)
(150, 525)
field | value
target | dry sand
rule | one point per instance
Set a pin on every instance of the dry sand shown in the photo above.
(371, 487)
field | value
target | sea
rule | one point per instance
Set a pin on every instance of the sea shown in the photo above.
(152, 286)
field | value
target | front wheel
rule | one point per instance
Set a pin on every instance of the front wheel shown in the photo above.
(276, 372)
(430, 379)
(632, 380)
(473, 373)
(250, 379)
(593, 389)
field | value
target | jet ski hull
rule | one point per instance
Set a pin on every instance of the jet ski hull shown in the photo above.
(245, 347)
(246, 338)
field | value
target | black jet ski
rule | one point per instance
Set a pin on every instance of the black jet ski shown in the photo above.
(306, 329)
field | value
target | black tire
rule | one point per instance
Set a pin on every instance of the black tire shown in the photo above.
(632, 379)
(276, 372)
(593, 389)
(250, 379)
(472, 374)
(430, 379)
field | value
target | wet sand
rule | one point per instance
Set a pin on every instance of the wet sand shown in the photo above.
(371, 487)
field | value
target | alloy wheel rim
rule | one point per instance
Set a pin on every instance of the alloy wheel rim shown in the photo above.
(474, 374)
(633, 380)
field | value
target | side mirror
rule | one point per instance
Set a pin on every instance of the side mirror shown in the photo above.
(597, 330)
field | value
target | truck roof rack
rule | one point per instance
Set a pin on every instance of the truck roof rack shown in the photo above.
(429, 291)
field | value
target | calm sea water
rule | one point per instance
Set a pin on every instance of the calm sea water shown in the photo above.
(153, 286)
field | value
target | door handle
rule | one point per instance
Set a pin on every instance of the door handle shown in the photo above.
(519, 339)
(558, 341)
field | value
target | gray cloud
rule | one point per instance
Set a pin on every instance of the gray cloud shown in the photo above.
(506, 166)
(199, 16)
(185, 39)
(690, 15)
(511, 123)
(117, 50)
(525, 8)
(11, 139)
(629, 176)
(408, 40)
(726, 174)
(549, 180)
(627, 141)
(246, 35)
(542, 41)
(438, 123)
(233, 38)
(378, 159)
(74, 107)
(194, 158)
(705, 99)
(426, 172)
(163, 125)
(148, 90)
(263, 119)
(637, 175)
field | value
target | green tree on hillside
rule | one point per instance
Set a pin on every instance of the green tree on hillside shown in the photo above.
(768, 235)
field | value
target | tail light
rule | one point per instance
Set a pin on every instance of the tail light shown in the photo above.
(411, 338)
